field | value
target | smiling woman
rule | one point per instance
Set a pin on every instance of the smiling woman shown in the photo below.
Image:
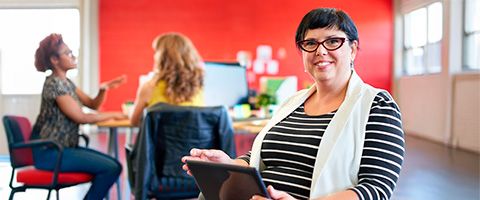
(17, 76)
(340, 138)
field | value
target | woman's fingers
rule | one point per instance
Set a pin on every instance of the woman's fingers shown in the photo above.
(209, 155)
(277, 194)
(114, 82)
(185, 168)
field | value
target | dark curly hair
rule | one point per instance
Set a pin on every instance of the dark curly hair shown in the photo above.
(47, 48)
(178, 63)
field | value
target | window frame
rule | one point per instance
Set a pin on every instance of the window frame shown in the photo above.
(465, 37)
(425, 68)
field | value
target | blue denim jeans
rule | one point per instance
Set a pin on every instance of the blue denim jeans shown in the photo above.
(104, 168)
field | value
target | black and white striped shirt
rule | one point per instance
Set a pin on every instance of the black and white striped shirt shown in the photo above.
(289, 150)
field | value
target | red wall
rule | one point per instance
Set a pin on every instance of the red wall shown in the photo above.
(219, 29)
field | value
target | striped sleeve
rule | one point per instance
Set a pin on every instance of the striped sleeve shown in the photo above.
(383, 151)
(245, 157)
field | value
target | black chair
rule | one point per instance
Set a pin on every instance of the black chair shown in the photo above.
(20, 144)
(168, 133)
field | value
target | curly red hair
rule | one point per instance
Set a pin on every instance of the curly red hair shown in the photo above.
(47, 48)
(179, 65)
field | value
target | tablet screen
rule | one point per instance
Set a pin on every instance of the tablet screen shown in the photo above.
(226, 182)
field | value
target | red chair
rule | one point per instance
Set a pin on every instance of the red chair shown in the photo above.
(18, 130)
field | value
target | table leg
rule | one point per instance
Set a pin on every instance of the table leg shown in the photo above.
(113, 151)
(128, 136)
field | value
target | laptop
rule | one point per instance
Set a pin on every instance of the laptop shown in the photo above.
(226, 182)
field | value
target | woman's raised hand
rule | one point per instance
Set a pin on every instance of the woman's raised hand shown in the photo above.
(114, 83)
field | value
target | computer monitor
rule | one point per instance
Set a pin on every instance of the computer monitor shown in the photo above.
(225, 84)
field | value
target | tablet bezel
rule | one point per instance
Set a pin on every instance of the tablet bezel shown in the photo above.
(215, 169)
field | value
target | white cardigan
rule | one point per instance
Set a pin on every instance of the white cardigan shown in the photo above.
(338, 158)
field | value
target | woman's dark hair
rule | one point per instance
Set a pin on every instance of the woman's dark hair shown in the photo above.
(329, 18)
(47, 48)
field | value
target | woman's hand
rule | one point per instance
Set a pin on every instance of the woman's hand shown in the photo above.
(114, 83)
(119, 116)
(104, 116)
(209, 155)
(274, 194)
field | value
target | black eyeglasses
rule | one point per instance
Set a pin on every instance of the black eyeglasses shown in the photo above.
(331, 44)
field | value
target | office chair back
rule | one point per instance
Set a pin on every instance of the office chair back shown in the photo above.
(168, 133)
(18, 130)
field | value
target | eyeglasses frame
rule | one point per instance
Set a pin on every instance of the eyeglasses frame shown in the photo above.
(299, 43)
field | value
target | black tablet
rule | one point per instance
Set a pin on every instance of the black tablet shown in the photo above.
(226, 182)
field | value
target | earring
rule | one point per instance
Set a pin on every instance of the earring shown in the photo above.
(351, 64)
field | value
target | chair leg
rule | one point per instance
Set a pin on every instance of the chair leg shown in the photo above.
(15, 190)
(11, 195)
(48, 196)
(58, 194)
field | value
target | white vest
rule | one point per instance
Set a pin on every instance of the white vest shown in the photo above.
(338, 158)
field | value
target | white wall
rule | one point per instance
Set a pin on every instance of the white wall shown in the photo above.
(3, 138)
(466, 112)
(423, 102)
(23, 105)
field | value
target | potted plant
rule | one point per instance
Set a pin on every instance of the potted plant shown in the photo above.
(264, 100)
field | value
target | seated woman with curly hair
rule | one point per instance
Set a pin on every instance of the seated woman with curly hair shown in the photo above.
(177, 79)
(61, 114)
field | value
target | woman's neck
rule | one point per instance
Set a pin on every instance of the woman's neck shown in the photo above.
(59, 73)
(332, 89)
(327, 97)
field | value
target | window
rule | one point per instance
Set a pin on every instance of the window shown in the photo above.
(19, 39)
(422, 40)
(471, 42)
